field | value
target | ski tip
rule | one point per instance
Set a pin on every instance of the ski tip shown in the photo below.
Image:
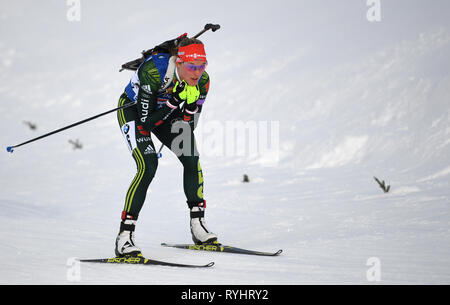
(210, 264)
(9, 149)
(278, 252)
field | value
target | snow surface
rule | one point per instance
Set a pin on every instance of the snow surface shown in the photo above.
(352, 99)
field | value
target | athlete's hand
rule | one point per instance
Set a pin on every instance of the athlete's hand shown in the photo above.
(182, 92)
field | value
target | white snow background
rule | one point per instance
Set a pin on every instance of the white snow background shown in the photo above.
(354, 99)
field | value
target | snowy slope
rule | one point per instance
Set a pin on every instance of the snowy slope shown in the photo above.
(352, 100)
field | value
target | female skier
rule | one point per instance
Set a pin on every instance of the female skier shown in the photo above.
(169, 91)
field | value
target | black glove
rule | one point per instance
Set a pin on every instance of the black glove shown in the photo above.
(188, 111)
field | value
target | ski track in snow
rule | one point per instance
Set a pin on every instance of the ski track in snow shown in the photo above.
(327, 235)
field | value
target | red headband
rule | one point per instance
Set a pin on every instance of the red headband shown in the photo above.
(192, 52)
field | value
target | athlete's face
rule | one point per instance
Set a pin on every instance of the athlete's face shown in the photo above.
(191, 71)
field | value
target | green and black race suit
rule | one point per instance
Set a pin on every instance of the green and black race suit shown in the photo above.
(150, 87)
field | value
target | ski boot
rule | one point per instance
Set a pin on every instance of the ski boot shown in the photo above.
(125, 245)
(200, 233)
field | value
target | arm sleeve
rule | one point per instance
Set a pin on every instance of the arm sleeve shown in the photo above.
(149, 83)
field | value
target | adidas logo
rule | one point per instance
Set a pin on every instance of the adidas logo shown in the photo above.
(149, 150)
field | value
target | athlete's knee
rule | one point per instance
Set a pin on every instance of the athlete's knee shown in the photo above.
(150, 166)
(146, 166)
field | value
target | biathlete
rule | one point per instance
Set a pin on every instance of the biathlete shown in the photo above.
(168, 89)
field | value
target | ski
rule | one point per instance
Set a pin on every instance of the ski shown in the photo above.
(140, 260)
(216, 247)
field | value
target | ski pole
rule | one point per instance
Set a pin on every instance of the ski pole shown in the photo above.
(11, 148)
(159, 155)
